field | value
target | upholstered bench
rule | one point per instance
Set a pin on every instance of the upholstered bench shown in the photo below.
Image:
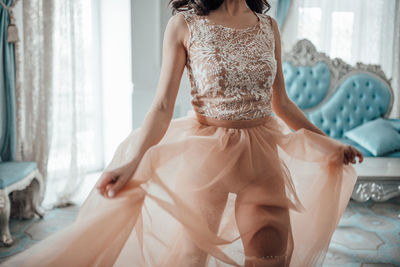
(24, 183)
(350, 104)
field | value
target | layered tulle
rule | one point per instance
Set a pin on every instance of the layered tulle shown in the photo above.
(192, 199)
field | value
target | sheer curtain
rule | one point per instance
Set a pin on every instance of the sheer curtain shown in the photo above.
(356, 30)
(59, 115)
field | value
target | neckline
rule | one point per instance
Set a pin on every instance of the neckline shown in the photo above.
(211, 22)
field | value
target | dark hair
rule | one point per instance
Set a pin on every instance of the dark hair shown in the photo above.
(203, 7)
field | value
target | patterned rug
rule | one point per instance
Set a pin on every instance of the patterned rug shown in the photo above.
(368, 234)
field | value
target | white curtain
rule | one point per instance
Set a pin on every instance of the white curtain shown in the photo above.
(354, 30)
(58, 108)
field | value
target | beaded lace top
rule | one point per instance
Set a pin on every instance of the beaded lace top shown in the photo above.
(231, 71)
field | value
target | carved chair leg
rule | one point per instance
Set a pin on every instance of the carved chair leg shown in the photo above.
(37, 197)
(6, 237)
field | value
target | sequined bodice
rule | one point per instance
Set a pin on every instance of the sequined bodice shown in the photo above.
(231, 71)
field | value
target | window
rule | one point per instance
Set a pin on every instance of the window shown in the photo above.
(341, 35)
(309, 26)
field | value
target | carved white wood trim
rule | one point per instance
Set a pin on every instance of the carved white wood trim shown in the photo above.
(375, 190)
(304, 53)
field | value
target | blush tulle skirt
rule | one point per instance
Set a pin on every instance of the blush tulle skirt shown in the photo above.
(207, 186)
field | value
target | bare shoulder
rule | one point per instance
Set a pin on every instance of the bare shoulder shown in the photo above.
(274, 25)
(178, 20)
(177, 28)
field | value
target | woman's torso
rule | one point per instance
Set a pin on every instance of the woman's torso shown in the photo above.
(231, 71)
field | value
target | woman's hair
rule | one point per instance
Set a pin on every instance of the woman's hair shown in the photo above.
(203, 7)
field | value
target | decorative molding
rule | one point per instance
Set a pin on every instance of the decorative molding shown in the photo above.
(304, 53)
(375, 190)
(376, 69)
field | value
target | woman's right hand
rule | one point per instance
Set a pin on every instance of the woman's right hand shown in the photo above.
(112, 181)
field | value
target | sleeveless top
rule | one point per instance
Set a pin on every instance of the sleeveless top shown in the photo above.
(231, 71)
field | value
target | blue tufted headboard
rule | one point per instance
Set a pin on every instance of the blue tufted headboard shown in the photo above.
(306, 85)
(334, 95)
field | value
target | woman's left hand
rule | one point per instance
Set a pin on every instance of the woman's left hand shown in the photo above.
(350, 154)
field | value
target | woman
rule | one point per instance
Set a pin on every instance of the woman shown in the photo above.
(228, 185)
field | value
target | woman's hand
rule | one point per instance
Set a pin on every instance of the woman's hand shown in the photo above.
(350, 154)
(111, 181)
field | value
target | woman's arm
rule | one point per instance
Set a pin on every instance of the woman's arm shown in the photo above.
(289, 112)
(281, 103)
(158, 118)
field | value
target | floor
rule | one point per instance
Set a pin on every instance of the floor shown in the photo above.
(368, 234)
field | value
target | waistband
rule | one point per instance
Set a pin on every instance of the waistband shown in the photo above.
(231, 123)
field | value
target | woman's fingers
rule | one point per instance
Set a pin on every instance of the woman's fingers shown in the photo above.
(114, 188)
(105, 179)
(350, 155)
(346, 155)
(112, 181)
(359, 155)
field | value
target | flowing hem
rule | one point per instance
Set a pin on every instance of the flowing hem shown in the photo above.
(188, 200)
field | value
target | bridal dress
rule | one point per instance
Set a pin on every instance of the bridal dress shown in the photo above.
(228, 171)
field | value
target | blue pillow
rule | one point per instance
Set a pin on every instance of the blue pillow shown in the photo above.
(395, 123)
(377, 136)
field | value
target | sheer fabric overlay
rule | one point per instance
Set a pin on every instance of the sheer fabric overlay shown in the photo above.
(210, 184)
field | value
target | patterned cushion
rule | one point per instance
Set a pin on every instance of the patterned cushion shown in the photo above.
(12, 172)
